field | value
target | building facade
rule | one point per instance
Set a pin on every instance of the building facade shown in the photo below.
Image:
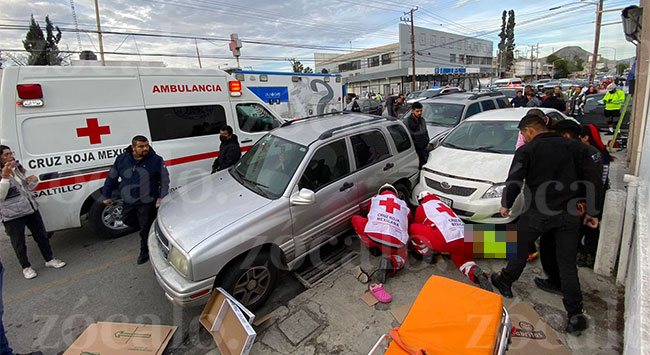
(441, 58)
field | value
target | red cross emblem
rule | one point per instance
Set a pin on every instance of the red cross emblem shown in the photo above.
(444, 209)
(93, 131)
(390, 205)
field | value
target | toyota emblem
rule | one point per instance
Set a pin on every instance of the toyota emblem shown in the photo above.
(445, 185)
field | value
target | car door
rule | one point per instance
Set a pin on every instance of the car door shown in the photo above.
(328, 175)
(594, 112)
(374, 164)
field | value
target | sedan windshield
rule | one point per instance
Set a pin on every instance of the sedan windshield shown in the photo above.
(484, 136)
(269, 166)
(442, 114)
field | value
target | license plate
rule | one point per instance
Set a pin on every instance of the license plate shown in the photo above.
(446, 201)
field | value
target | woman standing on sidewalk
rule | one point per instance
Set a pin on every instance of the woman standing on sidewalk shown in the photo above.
(19, 209)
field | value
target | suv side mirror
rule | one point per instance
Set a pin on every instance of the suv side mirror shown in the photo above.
(304, 197)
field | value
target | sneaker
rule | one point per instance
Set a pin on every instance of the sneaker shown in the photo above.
(55, 263)
(481, 277)
(143, 258)
(29, 273)
(503, 287)
(576, 324)
(548, 286)
(385, 266)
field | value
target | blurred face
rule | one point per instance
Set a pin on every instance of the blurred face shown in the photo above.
(558, 89)
(585, 139)
(224, 133)
(578, 89)
(6, 156)
(140, 149)
(417, 112)
(520, 94)
(400, 99)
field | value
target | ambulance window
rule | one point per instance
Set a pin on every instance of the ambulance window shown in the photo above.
(182, 122)
(327, 165)
(369, 148)
(400, 137)
(254, 117)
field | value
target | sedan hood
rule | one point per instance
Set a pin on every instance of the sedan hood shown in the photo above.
(197, 211)
(488, 167)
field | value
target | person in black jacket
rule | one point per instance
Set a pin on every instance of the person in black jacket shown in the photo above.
(553, 101)
(229, 150)
(557, 173)
(140, 176)
(418, 129)
(519, 100)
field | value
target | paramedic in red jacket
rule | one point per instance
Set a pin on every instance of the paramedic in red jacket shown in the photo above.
(385, 230)
(436, 227)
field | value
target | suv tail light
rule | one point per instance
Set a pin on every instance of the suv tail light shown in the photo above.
(31, 95)
(235, 88)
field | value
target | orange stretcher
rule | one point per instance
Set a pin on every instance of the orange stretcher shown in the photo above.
(450, 317)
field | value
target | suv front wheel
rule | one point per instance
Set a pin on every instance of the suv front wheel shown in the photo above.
(251, 279)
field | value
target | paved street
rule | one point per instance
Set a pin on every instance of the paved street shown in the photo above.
(100, 283)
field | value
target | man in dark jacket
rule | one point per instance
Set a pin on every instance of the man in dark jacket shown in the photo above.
(393, 104)
(229, 150)
(418, 129)
(140, 176)
(552, 101)
(558, 172)
(519, 100)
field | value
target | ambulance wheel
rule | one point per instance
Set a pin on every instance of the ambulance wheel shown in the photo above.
(251, 278)
(107, 220)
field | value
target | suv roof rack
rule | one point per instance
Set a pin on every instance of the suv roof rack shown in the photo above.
(331, 131)
(290, 122)
(485, 94)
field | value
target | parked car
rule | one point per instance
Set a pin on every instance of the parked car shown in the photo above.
(510, 93)
(292, 192)
(368, 106)
(444, 112)
(507, 83)
(414, 94)
(429, 93)
(595, 113)
(469, 169)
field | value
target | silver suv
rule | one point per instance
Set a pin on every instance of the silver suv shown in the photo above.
(295, 190)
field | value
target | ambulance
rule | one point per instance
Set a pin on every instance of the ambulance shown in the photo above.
(295, 95)
(66, 125)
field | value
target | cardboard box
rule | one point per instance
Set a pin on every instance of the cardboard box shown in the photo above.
(229, 323)
(532, 335)
(105, 338)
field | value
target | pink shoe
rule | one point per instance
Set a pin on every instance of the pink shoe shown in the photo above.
(380, 294)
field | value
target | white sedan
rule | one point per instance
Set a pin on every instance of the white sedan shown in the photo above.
(469, 168)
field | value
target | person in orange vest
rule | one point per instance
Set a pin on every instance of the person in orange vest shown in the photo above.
(436, 227)
(385, 231)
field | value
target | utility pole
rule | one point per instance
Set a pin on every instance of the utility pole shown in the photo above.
(594, 60)
(99, 33)
(412, 45)
(537, 62)
(197, 52)
(532, 53)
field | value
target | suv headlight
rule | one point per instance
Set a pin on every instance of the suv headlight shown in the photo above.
(495, 191)
(179, 261)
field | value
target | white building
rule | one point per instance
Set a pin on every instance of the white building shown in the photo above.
(440, 57)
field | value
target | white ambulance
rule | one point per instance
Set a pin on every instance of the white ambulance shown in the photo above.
(66, 125)
(295, 95)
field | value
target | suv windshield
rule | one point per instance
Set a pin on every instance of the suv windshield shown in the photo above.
(442, 114)
(484, 136)
(269, 166)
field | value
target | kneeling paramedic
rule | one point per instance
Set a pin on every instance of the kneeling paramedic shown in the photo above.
(385, 230)
(436, 227)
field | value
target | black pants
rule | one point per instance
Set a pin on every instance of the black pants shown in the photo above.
(590, 244)
(423, 155)
(142, 217)
(558, 251)
(16, 231)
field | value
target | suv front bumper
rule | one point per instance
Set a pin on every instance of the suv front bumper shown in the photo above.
(178, 290)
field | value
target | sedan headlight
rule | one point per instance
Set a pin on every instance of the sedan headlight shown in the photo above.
(495, 191)
(179, 261)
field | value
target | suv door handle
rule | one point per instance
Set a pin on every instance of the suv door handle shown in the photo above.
(389, 166)
(346, 186)
(247, 141)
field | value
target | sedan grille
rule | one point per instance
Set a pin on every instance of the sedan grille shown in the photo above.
(452, 189)
(162, 240)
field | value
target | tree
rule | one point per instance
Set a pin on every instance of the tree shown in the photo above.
(43, 48)
(620, 68)
(510, 40)
(560, 66)
(578, 64)
(502, 43)
(299, 68)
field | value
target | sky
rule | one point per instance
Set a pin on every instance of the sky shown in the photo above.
(298, 28)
